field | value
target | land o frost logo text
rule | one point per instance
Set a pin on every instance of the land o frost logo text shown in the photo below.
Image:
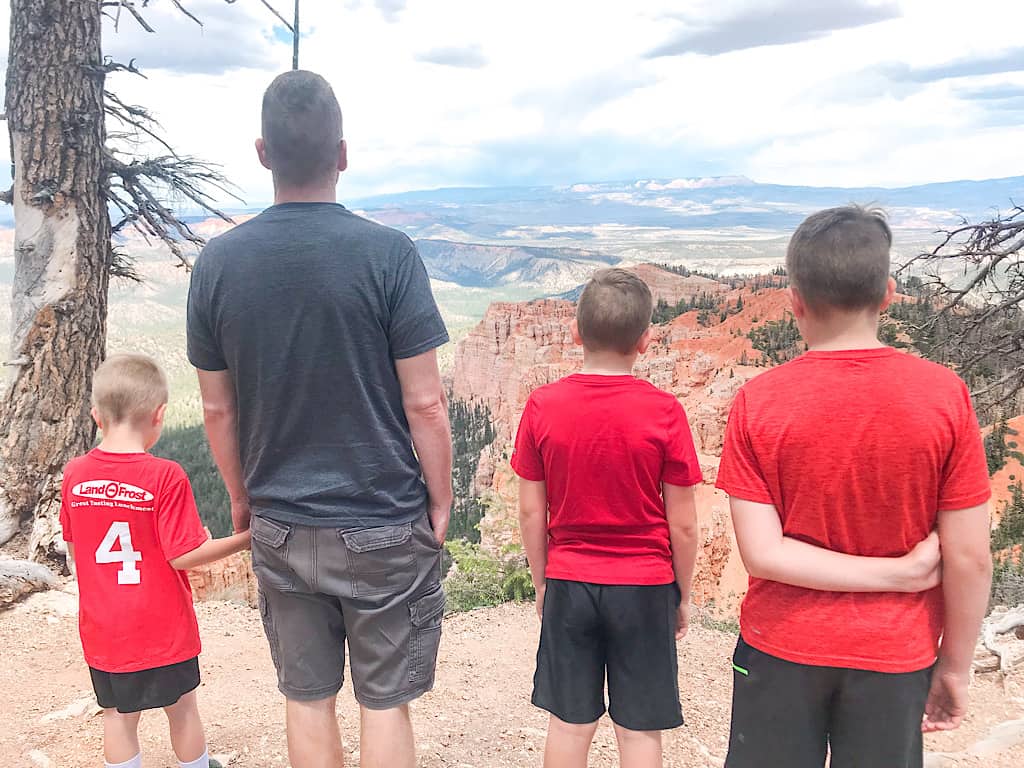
(111, 490)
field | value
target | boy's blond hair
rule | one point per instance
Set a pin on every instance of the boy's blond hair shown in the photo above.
(128, 388)
(614, 311)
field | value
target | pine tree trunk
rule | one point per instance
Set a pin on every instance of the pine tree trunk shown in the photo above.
(62, 255)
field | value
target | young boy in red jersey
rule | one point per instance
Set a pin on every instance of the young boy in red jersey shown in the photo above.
(132, 520)
(610, 457)
(864, 450)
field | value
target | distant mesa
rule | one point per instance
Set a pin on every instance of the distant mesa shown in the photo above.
(487, 266)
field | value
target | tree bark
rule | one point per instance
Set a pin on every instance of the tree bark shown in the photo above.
(62, 256)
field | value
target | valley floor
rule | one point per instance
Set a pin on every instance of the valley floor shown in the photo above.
(478, 716)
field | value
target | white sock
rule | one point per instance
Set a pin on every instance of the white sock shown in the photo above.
(135, 762)
(203, 761)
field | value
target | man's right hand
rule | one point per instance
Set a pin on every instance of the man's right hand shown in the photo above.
(923, 565)
(947, 700)
(241, 514)
(439, 515)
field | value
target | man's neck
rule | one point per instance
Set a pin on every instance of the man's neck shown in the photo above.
(607, 364)
(316, 194)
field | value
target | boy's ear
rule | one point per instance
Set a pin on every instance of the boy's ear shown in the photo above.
(261, 152)
(158, 415)
(574, 328)
(96, 417)
(645, 341)
(890, 294)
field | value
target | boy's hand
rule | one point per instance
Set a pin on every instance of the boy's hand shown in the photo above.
(240, 514)
(541, 591)
(924, 565)
(947, 700)
(683, 619)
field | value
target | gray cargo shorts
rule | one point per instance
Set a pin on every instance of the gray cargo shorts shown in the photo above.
(377, 588)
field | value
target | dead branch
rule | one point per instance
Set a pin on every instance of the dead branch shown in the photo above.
(139, 190)
(136, 119)
(1008, 622)
(974, 278)
(129, 5)
(7, 196)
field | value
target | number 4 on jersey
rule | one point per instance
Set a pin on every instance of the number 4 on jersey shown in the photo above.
(126, 555)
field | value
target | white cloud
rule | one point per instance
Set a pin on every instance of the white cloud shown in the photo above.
(563, 92)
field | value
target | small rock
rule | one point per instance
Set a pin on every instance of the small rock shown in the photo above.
(39, 758)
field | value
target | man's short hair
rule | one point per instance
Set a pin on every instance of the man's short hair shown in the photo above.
(128, 388)
(839, 258)
(301, 127)
(614, 311)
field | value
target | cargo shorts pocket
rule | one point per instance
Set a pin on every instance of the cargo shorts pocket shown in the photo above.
(270, 554)
(426, 614)
(381, 560)
(270, 630)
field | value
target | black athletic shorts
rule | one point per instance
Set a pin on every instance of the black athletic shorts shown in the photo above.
(786, 714)
(628, 632)
(147, 689)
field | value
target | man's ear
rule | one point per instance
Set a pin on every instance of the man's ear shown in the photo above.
(799, 305)
(261, 152)
(574, 328)
(890, 294)
(343, 156)
(645, 341)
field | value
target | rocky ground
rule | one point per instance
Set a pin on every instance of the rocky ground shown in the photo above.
(478, 716)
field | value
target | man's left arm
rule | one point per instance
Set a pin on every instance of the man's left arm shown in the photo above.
(220, 415)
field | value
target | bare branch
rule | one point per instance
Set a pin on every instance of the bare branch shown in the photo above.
(974, 282)
(129, 6)
(7, 196)
(139, 189)
(273, 10)
(136, 118)
(184, 10)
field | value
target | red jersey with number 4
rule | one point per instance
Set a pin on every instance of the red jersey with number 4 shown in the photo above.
(858, 451)
(604, 445)
(127, 516)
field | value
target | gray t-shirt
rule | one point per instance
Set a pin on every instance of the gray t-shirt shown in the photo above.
(308, 306)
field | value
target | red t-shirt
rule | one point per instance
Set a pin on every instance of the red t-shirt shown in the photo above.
(858, 451)
(127, 515)
(604, 445)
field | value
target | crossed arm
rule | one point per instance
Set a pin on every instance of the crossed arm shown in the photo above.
(768, 554)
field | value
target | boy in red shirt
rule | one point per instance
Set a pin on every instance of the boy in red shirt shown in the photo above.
(132, 519)
(864, 450)
(611, 459)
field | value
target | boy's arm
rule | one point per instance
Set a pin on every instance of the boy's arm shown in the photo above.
(681, 511)
(211, 550)
(768, 554)
(533, 526)
(71, 560)
(966, 581)
(220, 415)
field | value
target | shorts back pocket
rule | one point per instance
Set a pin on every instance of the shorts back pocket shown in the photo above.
(381, 560)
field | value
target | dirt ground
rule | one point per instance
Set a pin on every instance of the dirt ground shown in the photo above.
(479, 714)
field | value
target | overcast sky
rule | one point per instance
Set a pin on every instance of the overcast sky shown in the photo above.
(504, 92)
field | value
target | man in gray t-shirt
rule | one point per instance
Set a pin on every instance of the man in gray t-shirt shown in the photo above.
(314, 333)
